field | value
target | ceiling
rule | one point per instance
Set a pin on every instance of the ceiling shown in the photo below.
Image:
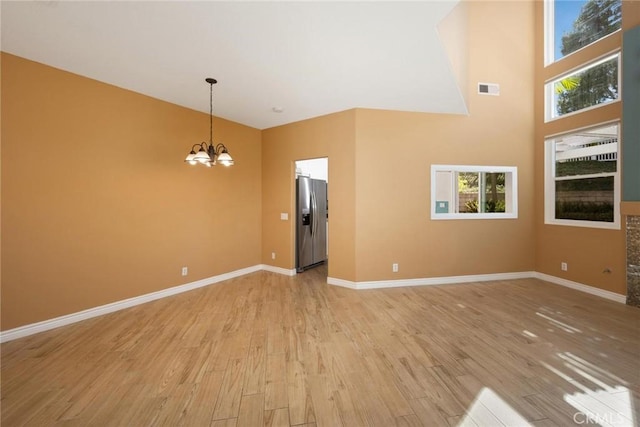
(305, 58)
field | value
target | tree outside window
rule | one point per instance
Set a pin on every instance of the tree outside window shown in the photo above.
(597, 18)
(595, 85)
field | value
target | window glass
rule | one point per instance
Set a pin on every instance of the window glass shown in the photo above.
(584, 176)
(465, 192)
(493, 196)
(578, 23)
(481, 192)
(593, 85)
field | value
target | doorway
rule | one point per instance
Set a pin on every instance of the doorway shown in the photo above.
(311, 236)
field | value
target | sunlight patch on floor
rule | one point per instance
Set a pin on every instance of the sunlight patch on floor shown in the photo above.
(595, 401)
(488, 409)
(561, 325)
(605, 407)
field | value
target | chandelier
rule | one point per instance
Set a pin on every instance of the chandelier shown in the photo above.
(209, 155)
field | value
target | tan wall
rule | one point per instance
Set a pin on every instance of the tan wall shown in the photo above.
(329, 136)
(588, 252)
(630, 14)
(77, 234)
(394, 152)
(98, 205)
(384, 179)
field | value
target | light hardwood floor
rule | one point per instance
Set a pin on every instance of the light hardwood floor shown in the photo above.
(266, 349)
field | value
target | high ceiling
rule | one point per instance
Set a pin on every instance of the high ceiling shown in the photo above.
(305, 58)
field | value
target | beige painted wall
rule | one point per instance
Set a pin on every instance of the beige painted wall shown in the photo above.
(80, 233)
(98, 205)
(588, 252)
(381, 170)
(331, 136)
(394, 152)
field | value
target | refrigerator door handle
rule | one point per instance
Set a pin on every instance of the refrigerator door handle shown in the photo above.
(315, 210)
(315, 213)
(312, 202)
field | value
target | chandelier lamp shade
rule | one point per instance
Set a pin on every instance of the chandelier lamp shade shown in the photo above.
(209, 154)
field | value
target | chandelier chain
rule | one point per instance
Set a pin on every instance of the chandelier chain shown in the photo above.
(211, 114)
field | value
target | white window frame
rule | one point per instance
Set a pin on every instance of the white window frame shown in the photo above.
(550, 184)
(511, 191)
(549, 88)
(549, 35)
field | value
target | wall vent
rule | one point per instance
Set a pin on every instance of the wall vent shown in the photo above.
(489, 89)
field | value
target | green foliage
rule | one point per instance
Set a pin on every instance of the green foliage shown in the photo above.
(467, 182)
(495, 206)
(471, 206)
(490, 206)
(499, 176)
(599, 84)
(597, 19)
(568, 83)
(584, 167)
(595, 86)
(586, 184)
(584, 211)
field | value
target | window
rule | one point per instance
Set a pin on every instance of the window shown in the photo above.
(595, 84)
(581, 178)
(473, 192)
(573, 24)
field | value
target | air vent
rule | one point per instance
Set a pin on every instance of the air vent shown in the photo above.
(489, 89)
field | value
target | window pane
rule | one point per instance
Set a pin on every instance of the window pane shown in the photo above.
(474, 192)
(590, 152)
(578, 23)
(589, 199)
(582, 177)
(468, 192)
(494, 194)
(594, 85)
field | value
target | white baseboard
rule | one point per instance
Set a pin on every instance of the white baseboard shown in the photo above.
(581, 287)
(478, 278)
(278, 270)
(428, 281)
(341, 282)
(68, 319)
(46, 325)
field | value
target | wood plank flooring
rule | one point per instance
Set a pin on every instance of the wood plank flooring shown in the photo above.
(271, 350)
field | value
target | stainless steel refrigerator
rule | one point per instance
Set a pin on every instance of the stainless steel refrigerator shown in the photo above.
(311, 222)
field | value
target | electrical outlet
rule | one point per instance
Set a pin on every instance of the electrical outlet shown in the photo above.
(185, 271)
(564, 266)
(394, 267)
(273, 255)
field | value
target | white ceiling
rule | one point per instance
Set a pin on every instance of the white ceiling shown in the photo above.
(308, 58)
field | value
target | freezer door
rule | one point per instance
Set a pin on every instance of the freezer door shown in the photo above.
(319, 221)
(304, 221)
